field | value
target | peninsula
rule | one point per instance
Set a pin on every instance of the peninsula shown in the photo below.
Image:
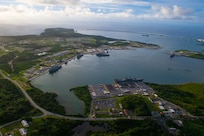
(141, 107)
(187, 53)
(33, 55)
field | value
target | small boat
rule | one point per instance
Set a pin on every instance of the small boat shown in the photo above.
(200, 40)
(106, 50)
(79, 55)
(102, 54)
(172, 55)
(188, 70)
(145, 35)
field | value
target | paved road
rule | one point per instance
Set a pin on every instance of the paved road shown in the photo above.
(48, 113)
(26, 95)
(91, 110)
(45, 112)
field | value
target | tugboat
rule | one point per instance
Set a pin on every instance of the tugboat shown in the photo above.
(54, 69)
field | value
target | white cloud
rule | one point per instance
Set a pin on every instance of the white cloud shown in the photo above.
(13, 9)
(133, 2)
(50, 2)
(116, 2)
(21, 14)
(83, 2)
(178, 11)
(4, 9)
(174, 12)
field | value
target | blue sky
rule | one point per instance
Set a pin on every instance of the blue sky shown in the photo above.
(77, 11)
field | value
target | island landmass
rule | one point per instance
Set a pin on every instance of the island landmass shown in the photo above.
(142, 108)
(187, 53)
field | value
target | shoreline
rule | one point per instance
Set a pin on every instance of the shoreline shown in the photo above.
(47, 70)
(87, 52)
(188, 53)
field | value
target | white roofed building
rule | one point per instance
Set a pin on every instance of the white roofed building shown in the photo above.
(23, 131)
(24, 123)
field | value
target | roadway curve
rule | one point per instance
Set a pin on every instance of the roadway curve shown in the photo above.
(26, 95)
(48, 113)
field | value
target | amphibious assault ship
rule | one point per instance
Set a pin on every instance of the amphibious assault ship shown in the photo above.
(54, 68)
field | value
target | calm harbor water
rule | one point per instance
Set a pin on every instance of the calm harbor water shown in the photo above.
(152, 65)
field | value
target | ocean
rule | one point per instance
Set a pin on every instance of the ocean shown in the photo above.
(152, 65)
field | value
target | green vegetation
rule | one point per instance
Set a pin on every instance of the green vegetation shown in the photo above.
(68, 55)
(60, 32)
(192, 128)
(2, 52)
(88, 40)
(52, 127)
(12, 129)
(120, 43)
(95, 41)
(192, 54)
(198, 56)
(56, 48)
(20, 52)
(170, 124)
(189, 96)
(131, 128)
(58, 127)
(9, 56)
(46, 100)
(5, 67)
(20, 61)
(137, 104)
(13, 104)
(144, 45)
(189, 127)
(83, 94)
(150, 105)
(20, 66)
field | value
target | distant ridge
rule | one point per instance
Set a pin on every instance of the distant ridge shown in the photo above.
(60, 32)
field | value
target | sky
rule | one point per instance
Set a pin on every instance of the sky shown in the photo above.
(19, 12)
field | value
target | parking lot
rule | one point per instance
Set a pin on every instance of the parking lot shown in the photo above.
(104, 104)
(120, 88)
(104, 97)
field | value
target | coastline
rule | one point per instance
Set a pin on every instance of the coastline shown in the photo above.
(188, 53)
(47, 69)
(34, 77)
(87, 51)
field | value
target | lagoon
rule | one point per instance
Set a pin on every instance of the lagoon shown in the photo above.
(152, 65)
